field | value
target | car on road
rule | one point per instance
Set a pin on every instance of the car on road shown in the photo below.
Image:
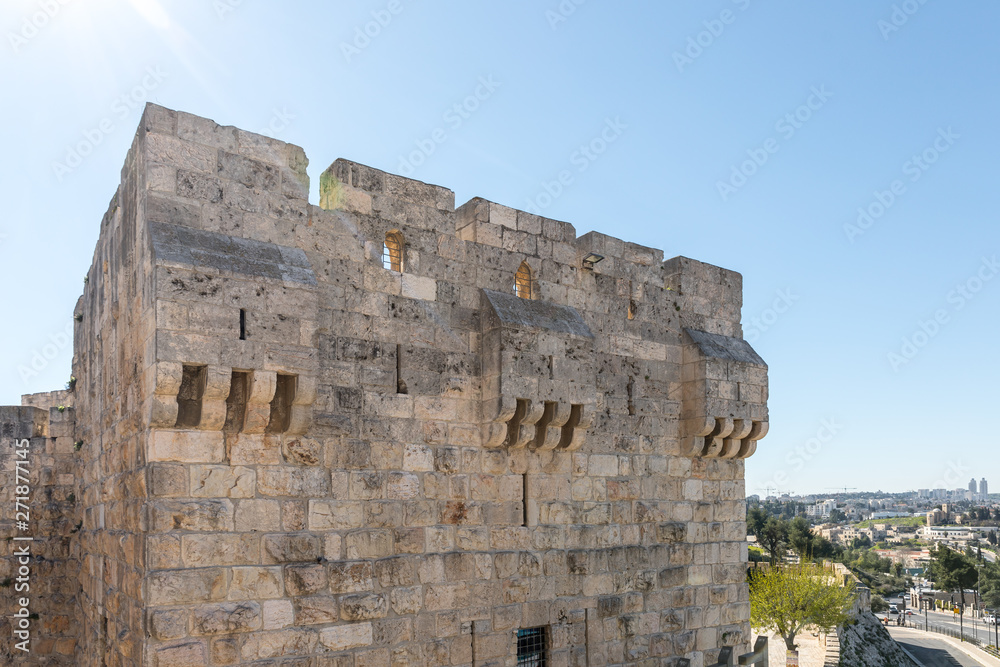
(990, 619)
(909, 612)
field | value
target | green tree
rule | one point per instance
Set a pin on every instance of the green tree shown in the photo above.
(787, 599)
(879, 604)
(989, 584)
(952, 570)
(800, 537)
(836, 516)
(772, 538)
(756, 518)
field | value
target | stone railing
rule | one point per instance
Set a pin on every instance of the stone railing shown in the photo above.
(756, 657)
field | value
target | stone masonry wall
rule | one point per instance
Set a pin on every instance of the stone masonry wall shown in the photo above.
(425, 527)
(293, 455)
(112, 363)
(36, 470)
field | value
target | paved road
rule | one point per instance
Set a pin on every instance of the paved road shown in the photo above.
(932, 651)
(969, 626)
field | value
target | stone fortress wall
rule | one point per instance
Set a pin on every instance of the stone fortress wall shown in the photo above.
(281, 452)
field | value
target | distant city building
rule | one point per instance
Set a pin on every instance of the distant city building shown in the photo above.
(888, 514)
(821, 510)
(950, 534)
(983, 489)
(972, 485)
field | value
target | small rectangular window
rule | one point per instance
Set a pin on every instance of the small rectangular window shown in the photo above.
(532, 649)
(189, 397)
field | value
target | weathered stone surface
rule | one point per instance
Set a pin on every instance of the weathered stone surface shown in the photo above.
(280, 452)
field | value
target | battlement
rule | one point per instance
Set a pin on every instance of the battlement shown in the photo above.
(385, 427)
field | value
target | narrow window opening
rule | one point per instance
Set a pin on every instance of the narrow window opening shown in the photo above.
(281, 404)
(400, 382)
(243, 324)
(523, 282)
(236, 402)
(631, 390)
(524, 499)
(532, 647)
(631, 309)
(193, 380)
(550, 368)
(392, 252)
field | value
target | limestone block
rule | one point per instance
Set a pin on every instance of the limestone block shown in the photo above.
(220, 549)
(182, 154)
(257, 515)
(186, 446)
(255, 583)
(290, 548)
(186, 586)
(226, 617)
(187, 654)
(314, 610)
(277, 643)
(277, 614)
(418, 287)
(168, 623)
(342, 637)
(221, 481)
(305, 579)
(201, 515)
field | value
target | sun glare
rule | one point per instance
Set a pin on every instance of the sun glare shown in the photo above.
(153, 12)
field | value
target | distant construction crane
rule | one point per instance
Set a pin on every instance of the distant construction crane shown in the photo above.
(845, 488)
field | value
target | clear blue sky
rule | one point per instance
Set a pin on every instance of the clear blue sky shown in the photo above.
(686, 115)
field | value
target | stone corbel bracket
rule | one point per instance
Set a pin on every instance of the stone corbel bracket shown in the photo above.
(539, 382)
(167, 384)
(724, 413)
(168, 376)
(537, 425)
(305, 396)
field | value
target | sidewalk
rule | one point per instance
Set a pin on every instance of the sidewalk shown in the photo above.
(970, 650)
(813, 650)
